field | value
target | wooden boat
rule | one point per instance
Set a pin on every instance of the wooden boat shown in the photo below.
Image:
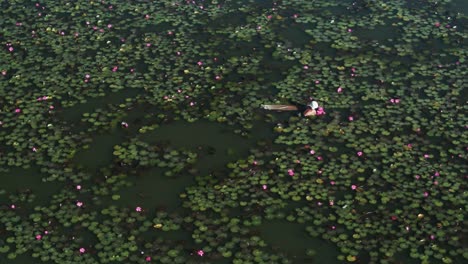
(280, 107)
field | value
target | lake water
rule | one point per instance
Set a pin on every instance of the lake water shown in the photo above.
(224, 129)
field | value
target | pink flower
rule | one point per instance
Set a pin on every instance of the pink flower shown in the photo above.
(148, 259)
(350, 30)
(13, 206)
(319, 158)
(79, 204)
(87, 76)
(331, 202)
(124, 124)
(38, 237)
(82, 250)
(312, 151)
(436, 183)
(339, 90)
(115, 68)
(200, 253)
(147, 16)
(359, 153)
(305, 67)
(17, 110)
(34, 149)
(437, 174)
(264, 187)
(51, 107)
(333, 227)
(78, 187)
(350, 118)
(291, 172)
(437, 24)
(426, 194)
(320, 111)
(199, 63)
(332, 182)
(426, 156)
(254, 162)
(417, 177)
(353, 187)
(11, 49)
(4, 72)
(109, 25)
(217, 77)
(317, 81)
(138, 209)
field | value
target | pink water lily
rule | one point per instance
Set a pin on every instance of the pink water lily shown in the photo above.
(320, 111)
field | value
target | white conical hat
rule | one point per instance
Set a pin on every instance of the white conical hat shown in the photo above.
(314, 105)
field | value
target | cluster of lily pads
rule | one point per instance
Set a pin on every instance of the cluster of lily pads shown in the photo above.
(381, 176)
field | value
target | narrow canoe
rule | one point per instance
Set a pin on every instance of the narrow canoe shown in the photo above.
(280, 107)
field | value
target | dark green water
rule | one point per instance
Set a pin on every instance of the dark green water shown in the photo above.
(217, 144)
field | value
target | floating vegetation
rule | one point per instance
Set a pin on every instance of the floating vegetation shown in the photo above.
(91, 92)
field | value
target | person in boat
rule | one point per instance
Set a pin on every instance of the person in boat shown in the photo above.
(310, 109)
